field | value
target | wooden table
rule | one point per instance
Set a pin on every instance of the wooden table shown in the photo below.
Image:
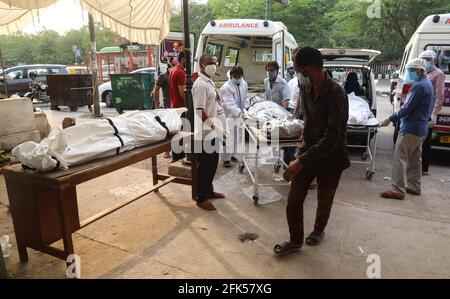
(44, 206)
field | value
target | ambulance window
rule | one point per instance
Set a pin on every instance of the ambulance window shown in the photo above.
(215, 50)
(262, 54)
(442, 56)
(287, 55)
(279, 54)
(231, 58)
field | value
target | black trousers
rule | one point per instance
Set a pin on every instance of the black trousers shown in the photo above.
(207, 162)
(181, 155)
(327, 184)
(426, 152)
(289, 155)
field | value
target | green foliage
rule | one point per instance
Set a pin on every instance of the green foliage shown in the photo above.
(327, 23)
(319, 23)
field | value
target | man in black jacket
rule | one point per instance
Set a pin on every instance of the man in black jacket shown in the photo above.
(324, 154)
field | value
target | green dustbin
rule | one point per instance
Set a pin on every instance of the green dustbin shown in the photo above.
(132, 91)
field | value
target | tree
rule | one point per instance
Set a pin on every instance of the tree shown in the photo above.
(49, 47)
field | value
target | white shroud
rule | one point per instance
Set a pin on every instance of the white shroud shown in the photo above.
(96, 139)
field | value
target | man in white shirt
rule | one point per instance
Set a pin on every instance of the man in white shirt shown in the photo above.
(275, 86)
(277, 91)
(234, 93)
(294, 91)
(208, 107)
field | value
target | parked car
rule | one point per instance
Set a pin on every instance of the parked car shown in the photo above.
(105, 89)
(18, 79)
(76, 69)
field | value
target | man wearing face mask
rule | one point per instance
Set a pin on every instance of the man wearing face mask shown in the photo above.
(277, 91)
(437, 78)
(324, 155)
(208, 106)
(414, 118)
(290, 72)
(234, 93)
(177, 83)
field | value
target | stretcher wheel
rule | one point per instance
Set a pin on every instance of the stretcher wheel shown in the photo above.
(364, 156)
(256, 200)
(369, 174)
(241, 169)
(277, 168)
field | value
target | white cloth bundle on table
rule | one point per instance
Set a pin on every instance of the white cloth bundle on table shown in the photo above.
(96, 139)
(276, 129)
(266, 110)
(359, 111)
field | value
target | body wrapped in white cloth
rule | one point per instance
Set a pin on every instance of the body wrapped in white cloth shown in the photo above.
(277, 122)
(276, 129)
(96, 139)
(359, 112)
(263, 111)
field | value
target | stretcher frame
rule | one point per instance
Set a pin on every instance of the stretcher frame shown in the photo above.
(252, 127)
(370, 151)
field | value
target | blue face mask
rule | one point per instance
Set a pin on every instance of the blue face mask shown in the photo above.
(428, 65)
(236, 81)
(411, 76)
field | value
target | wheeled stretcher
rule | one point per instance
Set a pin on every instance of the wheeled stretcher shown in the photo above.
(252, 154)
(370, 147)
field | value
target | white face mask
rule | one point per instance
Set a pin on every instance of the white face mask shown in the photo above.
(304, 81)
(210, 70)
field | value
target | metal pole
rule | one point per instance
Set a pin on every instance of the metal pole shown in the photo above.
(5, 82)
(95, 100)
(268, 6)
(188, 94)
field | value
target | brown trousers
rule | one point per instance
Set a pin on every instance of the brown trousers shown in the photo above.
(327, 184)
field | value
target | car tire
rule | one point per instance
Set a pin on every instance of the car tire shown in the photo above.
(108, 98)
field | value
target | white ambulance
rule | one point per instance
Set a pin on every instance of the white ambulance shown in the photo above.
(248, 43)
(432, 34)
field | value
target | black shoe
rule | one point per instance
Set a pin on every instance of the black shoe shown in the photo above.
(226, 164)
(234, 159)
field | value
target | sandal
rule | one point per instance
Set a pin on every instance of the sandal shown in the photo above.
(206, 205)
(167, 155)
(315, 238)
(393, 195)
(216, 195)
(286, 248)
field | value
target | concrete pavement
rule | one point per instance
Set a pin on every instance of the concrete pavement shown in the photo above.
(166, 236)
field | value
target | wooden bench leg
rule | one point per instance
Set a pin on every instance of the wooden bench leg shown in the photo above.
(23, 254)
(155, 172)
(66, 225)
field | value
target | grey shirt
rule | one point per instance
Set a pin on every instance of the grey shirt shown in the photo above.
(279, 91)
